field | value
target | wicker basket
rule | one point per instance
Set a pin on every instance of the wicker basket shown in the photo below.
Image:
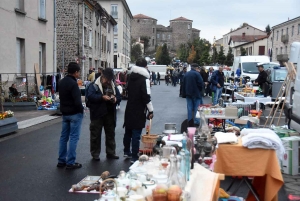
(149, 138)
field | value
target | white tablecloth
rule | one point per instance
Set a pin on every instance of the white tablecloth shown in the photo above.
(252, 100)
(217, 116)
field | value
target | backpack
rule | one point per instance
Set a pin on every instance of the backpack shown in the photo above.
(87, 102)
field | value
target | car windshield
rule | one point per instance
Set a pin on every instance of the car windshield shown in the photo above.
(280, 75)
(266, 66)
(250, 67)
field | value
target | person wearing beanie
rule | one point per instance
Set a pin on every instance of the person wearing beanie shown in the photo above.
(72, 114)
(139, 102)
(103, 96)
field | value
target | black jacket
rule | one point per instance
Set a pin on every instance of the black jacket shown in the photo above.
(98, 107)
(138, 98)
(192, 84)
(262, 78)
(70, 96)
(217, 78)
(204, 75)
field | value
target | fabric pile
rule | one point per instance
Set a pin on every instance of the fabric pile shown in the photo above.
(264, 139)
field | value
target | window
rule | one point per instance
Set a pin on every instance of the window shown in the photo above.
(98, 41)
(189, 26)
(115, 44)
(157, 35)
(114, 11)
(189, 36)
(261, 50)
(152, 42)
(280, 50)
(169, 36)
(277, 35)
(163, 36)
(250, 51)
(90, 38)
(276, 52)
(281, 32)
(153, 30)
(116, 29)
(95, 40)
(20, 4)
(287, 31)
(20, 55)
(42, 57)
(42, 5)
(286, 49)
(292, 30)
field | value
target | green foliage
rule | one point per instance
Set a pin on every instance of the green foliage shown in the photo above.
(192, 55)
(243, 51)
(183, 52)
(146, 42)
(163, 56)
(268, 29)
(229, 58)
(136, 52)
(158, 54)
(221, 56)
(214, 57)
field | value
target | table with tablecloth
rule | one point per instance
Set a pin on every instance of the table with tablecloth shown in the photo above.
(251, 100)
(262, 164)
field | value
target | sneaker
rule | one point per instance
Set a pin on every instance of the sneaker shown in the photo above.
(74, 166)
(112, 156)
(61, 165)
(127, 155)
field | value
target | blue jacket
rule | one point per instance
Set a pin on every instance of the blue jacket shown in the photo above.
(192, 84)
(238, 72)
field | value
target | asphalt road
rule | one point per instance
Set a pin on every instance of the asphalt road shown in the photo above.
(28, 159)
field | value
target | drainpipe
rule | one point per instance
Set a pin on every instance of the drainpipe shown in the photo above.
(54, 38)
(100, 24)
(83, 59)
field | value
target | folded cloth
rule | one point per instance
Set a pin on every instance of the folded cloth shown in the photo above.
(225, 137)
(264, 140)
(246, 131)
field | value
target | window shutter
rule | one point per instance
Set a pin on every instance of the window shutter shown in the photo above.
(18, 54)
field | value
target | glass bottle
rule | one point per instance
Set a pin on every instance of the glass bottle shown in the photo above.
(183, 161)
(175, 177)
(203, 127)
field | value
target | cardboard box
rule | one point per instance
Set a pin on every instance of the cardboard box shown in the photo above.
(291, 159)
(231, 111)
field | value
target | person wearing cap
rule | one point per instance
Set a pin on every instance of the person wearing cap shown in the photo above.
(139, 108)
(262, 76)
(103, 97)
(99, 73)
(72, 114)
(192, 91)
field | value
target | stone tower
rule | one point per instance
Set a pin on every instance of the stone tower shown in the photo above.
(182, 31)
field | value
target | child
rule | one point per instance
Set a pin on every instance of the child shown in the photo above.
(120, 88)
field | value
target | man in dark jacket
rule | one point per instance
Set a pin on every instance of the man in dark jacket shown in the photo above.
(209, 75)
(139, 102)
(217, 84)
(261, 80)
(72, 111)
(103, 96)
(181, 76)
(192, 89)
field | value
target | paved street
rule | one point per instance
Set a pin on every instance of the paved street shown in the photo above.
(28, 159)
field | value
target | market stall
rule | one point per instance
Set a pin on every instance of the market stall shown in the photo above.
(251, 98)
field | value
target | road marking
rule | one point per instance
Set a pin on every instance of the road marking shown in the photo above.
(34, 121)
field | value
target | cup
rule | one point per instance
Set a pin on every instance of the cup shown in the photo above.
(122, 191)
(137, 198)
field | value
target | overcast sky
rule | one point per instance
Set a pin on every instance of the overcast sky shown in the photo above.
(216, 17)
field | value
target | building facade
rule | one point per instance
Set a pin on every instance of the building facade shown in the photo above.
(283, 35)
(87, 40)
(245, 29)
(26, 36)
(254, 47)
(180, 31)
(144, 26)
(120, 11)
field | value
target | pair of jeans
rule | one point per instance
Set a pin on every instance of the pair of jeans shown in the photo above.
(192, 107)
(108, 122)
(71, 126)
(217, 95)
(132, 136)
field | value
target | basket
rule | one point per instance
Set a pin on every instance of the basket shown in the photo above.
(149, 138)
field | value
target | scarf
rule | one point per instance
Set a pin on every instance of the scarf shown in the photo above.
(98, 82)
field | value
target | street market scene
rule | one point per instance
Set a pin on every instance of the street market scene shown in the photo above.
(127, 101)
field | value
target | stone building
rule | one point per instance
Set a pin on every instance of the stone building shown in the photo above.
(179, 31)
(26, 37)
(282, 36)
(143, 25)
(96, 28)
(120, 11)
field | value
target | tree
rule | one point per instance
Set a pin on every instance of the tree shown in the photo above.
(165, 58)
(136, 52)
(183, 52)
(214, 57)
(192, 55)
(229, 57)
(221, 56)
(158, 54)
(243, 51)
(146, 42)
(268, 29)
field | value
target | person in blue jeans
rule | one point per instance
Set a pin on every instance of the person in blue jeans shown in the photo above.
(139, 102)
(72, 111)
(192, 91)
(217, 84)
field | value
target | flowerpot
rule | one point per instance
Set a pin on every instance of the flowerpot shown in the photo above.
(19, 106)
(8, 125)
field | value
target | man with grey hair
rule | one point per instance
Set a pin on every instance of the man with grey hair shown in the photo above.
(191, 90)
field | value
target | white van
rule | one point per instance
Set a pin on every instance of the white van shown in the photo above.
(248, 65)
(158, 68)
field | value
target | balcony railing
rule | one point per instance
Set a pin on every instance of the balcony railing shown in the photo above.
(285, 38)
